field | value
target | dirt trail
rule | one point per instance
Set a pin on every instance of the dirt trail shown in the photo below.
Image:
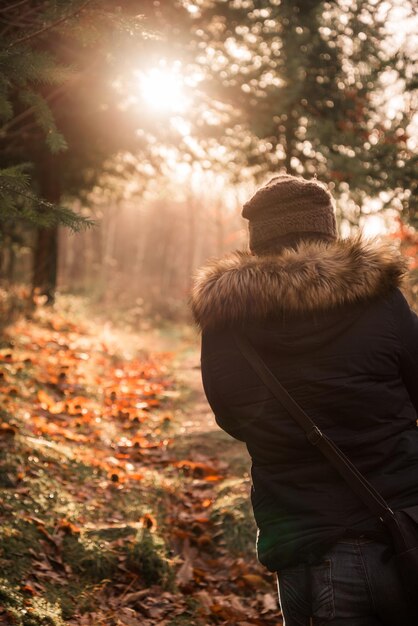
(220, 567)
(240, 591)
(198, 416)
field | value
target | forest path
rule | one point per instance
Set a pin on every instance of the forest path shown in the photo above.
(125, 502)
(237, 590)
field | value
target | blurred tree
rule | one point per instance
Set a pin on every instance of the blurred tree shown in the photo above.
(309, 80)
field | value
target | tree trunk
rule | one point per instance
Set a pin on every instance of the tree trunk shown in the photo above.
(45, 256)
(45, 263)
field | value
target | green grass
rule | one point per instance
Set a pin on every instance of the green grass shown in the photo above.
(232, 515)
(148, 556)
(89, 557)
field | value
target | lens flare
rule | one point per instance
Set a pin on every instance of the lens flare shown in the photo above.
(163, 89)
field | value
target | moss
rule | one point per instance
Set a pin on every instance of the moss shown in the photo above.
(147, 556)
(89, 556)
(16, 541)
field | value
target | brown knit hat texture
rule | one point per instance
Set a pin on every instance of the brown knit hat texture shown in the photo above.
(288, 205)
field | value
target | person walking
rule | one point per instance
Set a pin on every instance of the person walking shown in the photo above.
(328, 318)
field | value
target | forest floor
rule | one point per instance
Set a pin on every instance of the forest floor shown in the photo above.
(123, 504)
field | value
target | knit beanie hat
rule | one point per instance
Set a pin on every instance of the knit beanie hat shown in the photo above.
(288, 205)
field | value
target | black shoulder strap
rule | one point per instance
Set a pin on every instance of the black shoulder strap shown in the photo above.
(364, 490)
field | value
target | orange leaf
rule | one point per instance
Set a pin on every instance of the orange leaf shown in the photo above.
(57, 407)
(68, 527)
(29, 589)
(135, 476)
(45, 399)
(254, 580)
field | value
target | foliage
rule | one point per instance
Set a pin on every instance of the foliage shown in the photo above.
(318, 88)
(18, 202)
(307, 79)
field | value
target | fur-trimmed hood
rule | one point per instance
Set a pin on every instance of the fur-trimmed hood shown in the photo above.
(314, 276)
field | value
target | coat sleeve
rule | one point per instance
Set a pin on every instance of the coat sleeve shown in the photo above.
(224, 418)
(407, 326)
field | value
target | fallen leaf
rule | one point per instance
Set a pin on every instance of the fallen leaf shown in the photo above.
(269, 602)
(254, 580)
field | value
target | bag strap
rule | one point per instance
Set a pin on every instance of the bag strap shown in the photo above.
(364, 490)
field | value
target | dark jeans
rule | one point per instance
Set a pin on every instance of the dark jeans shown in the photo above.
(355, 584)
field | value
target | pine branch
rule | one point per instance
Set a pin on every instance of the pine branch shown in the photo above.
(48, 98)
(45, 120)
(46, 213)
(43, 30)
(9, 24)
(10, 7)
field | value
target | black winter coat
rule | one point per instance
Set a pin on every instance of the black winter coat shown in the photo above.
(331, 323)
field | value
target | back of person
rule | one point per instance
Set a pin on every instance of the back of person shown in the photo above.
(329, 320)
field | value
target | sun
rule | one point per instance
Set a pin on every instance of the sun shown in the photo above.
(163, 88)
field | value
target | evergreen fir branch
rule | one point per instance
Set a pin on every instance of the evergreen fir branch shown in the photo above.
(73, 80)
(54, 139)
(16, 175)
(28, 112)
(26, 66)
(10, 7)
(18, 202)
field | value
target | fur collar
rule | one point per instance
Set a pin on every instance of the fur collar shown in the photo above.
(315, 276)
